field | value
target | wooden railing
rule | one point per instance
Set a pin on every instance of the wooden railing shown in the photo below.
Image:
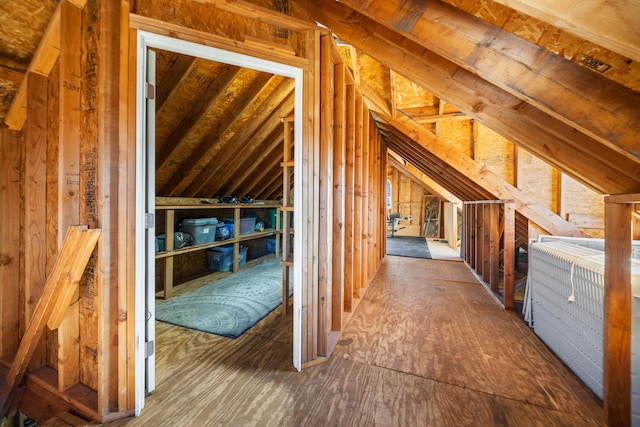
(488, 239)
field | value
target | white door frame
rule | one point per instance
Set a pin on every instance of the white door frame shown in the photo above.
(150, 40)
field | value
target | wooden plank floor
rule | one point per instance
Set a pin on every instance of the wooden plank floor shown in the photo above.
(426, 346)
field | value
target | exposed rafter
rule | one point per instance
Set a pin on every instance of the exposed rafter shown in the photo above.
(612, 25)
(598, 107)
(483, 177)
(578, 155)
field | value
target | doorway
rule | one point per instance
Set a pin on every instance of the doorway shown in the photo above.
(146, 190)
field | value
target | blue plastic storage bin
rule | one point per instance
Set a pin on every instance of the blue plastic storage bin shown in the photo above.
(221, 257)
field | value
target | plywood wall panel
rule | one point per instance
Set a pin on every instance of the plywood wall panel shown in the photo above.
(536, 178)
(406, 199)
(458, 134)
(410, 95)
(580, 201)
(496, 152)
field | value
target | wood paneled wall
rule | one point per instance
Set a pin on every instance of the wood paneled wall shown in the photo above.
(74, 162)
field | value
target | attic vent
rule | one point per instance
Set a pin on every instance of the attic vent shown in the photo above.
(593, 63)
(283, 7)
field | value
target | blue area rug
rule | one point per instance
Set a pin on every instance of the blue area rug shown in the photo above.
(229, 306)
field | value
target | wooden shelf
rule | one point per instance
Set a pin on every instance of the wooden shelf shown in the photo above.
(249, 236)
(171, 205)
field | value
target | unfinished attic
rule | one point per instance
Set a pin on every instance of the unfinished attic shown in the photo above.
(153, 150)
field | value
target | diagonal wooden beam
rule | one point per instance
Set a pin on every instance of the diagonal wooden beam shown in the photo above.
(207, 146)
(267, 118)
(216, 89)
(422, 178)
(262, 169)
(11, 75)
(179, 70)
(246, 170)
(488, 180)
(583, 158)
(613, 26)
(70, 264)
(597, 106)
(247, 155)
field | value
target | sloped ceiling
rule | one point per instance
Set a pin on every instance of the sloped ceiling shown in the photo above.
(547, 75)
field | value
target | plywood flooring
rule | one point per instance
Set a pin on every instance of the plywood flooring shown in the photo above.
(427, 346)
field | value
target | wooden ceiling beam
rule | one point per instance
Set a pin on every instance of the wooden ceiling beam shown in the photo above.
(246, 159)
(597, 106)
(262, 169)
(373, 98)
(260, 14)
(42, 62)
(424, 179)
(273, 189)
(267, 116)
(460, 185)
(442, 117)
(579, 156)
(203, 152)
(10, 74)
(216, 90)
(612, 25)
(179, 70)
(491, 182)
(251, 167)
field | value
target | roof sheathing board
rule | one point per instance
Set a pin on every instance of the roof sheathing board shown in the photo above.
(616, 67)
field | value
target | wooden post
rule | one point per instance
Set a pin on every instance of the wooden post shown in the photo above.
(34, 200)
(349, 198)
(509, 254)
(617, 309)
(357, 205)
(339, 153)
(325, 195)
(494, 246)
(11, 159)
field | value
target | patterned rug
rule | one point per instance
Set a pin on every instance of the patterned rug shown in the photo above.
(229, 306)
(414, 247)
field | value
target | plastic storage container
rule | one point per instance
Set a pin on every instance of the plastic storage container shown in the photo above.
(221, 258)
(271, 245)
(219, 261)
(247, 225)
(203, 230)
(160, 243)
